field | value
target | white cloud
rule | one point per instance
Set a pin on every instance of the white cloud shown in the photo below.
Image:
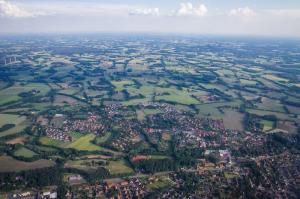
(294, 13)
(145, 11)
(187, 9)
(8, 9)
(242, 12)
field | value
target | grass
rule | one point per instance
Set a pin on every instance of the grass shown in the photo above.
(10, 94)
(161, 183)
(120, 85)
(141, 114)
(178, 96)
(119, 167)
(275, 78)
(267, 125)
(46, 149)
(297, 85)
(135, 101)
(233, 120)
(51, 142)
(247, 82)
(282, 116)
(9, 164)
(84, 143)
(19, 121)
(104, 138)
(270, 105)
(230, 175)
(159, 157)
(24, 152)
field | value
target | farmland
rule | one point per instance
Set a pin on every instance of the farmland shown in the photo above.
(9, 164)
(84, 143)
(157, 116)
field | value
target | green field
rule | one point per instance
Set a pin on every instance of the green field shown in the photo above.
(141, 114)
(161, 183)
(119, 167)
(19, 121)
(267, 125)
(178, 96)
(247, 82)
(84, 143)
(282, 116)
(10, 94)
(275, 78)
(104, 138)
(121, 85)
(51, 142)
(24, 152)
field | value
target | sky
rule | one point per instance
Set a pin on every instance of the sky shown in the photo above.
(216, 17)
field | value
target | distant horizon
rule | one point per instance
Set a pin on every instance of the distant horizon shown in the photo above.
(213, 17)
(112, 33)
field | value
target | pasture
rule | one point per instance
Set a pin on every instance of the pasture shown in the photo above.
(84, 143)
(24, 152)
(119, 167)
(19, 122)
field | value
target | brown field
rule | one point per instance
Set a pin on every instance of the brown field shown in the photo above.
(62, 99)
(233, 120)
(9, 164)
(287, 126)
(18, 140)
(80, 167)
(95, 157)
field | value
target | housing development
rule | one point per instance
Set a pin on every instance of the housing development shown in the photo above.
(149, 116)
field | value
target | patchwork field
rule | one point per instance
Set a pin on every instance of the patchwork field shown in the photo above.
(9, 164)
(19, 123)
(84, 143)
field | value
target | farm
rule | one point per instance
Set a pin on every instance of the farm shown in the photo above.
(150, 116)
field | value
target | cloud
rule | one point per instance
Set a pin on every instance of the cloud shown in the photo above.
(187, 9)
(293, 13)
(145, 12)
(8, 9)
(245, 12)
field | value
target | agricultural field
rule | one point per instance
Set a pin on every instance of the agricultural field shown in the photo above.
(24, 152)
(9, 164)
(162, 113)
(84, 143)
(267, 125)
(19, 123)
(119, 167)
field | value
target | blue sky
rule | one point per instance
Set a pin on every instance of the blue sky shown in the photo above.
(222, 17)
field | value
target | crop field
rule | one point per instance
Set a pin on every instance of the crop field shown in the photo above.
(121, 85)
(141, 114)
(281, 116)
(161, 183)
(247, 82)
(18, 140)
(275, 78)
(233, 120)
(9, 164)
(270, 105)
(84, 143)
(19, 122)
(11, 94)
(119, 167)
(267, 125)
(144, 107)
(24, 152)
(104, 138)
(175, 95)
